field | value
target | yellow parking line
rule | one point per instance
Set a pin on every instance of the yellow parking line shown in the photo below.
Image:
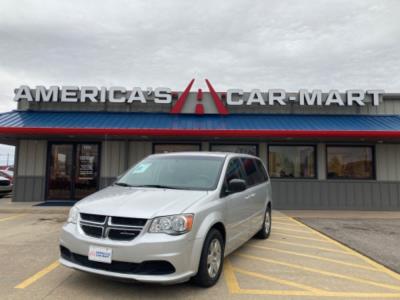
(326, 273)
(38, 275)
(277, 280)
(308, 291)
(299, 237)
(234, 288)
(380, 267)
(230, 277)
(292, 230)
(11, 217)
(276, 292)
(317, 257)
(311, 247)
(347, 295)
(286, 224)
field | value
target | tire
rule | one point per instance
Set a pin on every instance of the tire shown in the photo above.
(205, 277)
(265, 230)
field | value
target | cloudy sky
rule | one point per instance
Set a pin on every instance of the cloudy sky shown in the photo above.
(236, 44)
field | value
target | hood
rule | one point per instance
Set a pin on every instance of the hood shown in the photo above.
(139, 202)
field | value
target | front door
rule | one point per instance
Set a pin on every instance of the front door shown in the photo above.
(237, 207)
(73, 171)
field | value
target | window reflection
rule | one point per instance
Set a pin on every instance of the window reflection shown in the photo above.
(245, 149)
(291, 161)
(355, 162)
(168, 148)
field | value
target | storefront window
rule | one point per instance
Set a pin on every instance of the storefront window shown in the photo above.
(355, 162)
(291, 161)
(167, 148)
(235, 148)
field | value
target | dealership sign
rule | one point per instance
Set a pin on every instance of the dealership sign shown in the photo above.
(164, 95)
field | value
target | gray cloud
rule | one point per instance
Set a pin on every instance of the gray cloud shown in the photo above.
(264, 44)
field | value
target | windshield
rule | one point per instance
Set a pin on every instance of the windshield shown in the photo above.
(175, 172)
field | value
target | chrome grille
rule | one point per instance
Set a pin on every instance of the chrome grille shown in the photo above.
(93, 218)
(113, 228)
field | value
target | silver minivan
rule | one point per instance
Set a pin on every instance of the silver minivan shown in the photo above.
(170, 218)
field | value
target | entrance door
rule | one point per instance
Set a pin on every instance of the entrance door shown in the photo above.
(60, 175)
(86, 171)
(73, 171)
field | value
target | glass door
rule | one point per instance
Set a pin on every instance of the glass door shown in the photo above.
(73, 171)
(60, 176)
(86, 174)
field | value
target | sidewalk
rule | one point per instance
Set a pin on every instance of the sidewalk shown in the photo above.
(6, 206)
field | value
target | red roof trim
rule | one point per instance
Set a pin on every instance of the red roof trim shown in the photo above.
(202, 132)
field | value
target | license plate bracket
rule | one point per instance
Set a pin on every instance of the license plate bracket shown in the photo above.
(100, 254)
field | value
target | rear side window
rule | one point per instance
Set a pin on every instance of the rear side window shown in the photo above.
(261, 170)
(255, 171)
(251, 171)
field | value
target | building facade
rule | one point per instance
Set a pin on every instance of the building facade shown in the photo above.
(323, 150)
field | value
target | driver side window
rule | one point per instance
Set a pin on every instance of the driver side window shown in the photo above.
(233, 171)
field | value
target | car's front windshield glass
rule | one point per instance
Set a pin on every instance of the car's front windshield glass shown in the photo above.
(175, 172)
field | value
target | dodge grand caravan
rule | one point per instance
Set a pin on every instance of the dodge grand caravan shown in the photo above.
(170, 218)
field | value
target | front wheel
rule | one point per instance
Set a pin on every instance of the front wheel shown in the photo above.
(211, 260)
(265, 230)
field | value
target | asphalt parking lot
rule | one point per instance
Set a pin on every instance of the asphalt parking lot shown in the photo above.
(297, 262)
(365, 235)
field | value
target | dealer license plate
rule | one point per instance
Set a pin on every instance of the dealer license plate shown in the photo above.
(100, 254)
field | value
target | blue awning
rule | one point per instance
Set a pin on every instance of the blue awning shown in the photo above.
(120, 123)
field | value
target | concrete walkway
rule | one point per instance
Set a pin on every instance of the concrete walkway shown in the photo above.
(8, 207)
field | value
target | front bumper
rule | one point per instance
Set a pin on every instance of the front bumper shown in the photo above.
(182, 252)
(6, 189)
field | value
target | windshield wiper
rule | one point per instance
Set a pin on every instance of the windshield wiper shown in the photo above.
(157, 186)
(122, 184)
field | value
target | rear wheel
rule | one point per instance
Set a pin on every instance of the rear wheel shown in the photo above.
(265, 230)
(211, 260)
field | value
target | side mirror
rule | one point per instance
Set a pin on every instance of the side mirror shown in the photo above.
(236, 185)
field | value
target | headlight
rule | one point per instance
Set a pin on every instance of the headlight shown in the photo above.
(174, 225)
(73, 215)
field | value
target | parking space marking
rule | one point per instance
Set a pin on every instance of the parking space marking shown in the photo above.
(278, 280)
(340, 262)
(293, 230)
(322, 272)
(370, 286)
(363, 257)
(285, 223)
(27, 282)
(230, 277)
(300, 237)
(11, 217)
(311, 247)
(234, 288)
